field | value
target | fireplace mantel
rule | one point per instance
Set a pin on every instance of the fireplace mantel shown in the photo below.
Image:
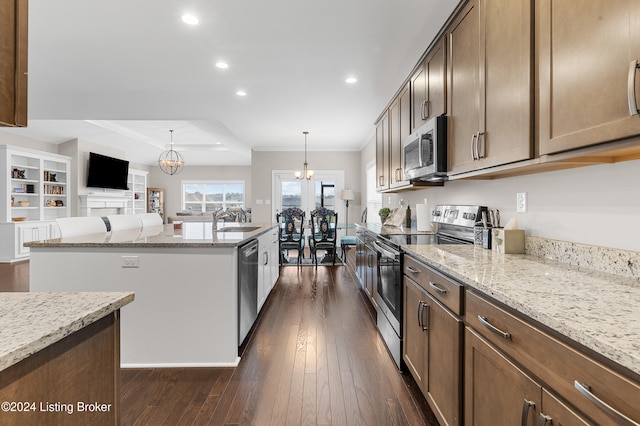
(91, 202)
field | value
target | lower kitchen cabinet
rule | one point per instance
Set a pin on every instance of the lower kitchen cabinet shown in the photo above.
(587, 390)
(268, 265)
(433, 352)
(24, 232)
(496, 391)
(371, 274)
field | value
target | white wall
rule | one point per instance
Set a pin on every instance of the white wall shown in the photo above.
(173, 184)
(264, 162)
(594, 205)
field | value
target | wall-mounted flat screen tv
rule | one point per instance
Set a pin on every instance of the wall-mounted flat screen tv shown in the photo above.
(107, 172)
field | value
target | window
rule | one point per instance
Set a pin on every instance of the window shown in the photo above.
(211, 196)
(374, 199)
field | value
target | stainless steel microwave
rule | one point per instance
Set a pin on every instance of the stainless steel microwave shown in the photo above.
(425, 151)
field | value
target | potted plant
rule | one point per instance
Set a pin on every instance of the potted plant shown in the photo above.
(384, 213)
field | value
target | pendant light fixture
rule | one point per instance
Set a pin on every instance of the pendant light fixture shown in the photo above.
(306, 173)
(171, 162)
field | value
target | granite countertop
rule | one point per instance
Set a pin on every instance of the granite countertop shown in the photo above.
(191, 234)
(377, 228)
(596, 309)
(30, 322)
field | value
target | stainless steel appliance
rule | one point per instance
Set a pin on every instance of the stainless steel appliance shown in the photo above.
(455, 225)
(247, 288)
(425, 152)
(389, 296)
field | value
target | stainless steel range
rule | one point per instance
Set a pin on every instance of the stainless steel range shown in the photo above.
(455, 225)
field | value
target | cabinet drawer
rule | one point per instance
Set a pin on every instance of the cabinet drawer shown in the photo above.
(555, 363)
(443, 289)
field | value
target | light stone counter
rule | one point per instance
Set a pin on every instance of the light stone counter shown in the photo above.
(598, 310)
(190, 235)
(30, 322)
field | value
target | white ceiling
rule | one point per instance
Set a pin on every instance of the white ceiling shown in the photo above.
(124, 72)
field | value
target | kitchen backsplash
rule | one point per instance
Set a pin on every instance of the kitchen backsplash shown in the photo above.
(625, 263)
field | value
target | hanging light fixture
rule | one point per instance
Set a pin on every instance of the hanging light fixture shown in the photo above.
(171, 162)
(306, 173)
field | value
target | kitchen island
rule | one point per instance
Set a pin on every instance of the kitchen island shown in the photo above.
(185, 280)
(60, 357)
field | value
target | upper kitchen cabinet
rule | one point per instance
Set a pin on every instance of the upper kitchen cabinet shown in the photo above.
(13, 62)
(588, 72)
(382, 153)
(428, 95)
(490, 85)
(399, 124)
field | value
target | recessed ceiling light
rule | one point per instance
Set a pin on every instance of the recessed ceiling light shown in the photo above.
(351, 80)
(222, 65)
(241, 93)
(190, 19)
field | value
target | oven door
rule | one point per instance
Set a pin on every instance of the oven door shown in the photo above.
(389, 295)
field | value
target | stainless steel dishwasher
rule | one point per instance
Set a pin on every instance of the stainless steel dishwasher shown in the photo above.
(247, 288)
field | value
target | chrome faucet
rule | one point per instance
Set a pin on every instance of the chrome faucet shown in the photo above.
(217, 215)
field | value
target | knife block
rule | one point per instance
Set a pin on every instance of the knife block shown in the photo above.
(508, 241)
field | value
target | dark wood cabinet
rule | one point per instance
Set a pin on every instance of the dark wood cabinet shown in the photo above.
(428, 82)
(399, 129)
(13, 62)
(433, 344)
(382, 153)
(497, 392)
(587, 73)
(371, 275)
(490, 85)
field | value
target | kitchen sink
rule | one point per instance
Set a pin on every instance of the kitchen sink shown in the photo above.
(238, 229)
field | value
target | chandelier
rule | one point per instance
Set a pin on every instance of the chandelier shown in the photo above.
(171, 162)
(306, 173)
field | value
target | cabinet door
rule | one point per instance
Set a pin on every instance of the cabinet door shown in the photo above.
(584, 58)
(428, 94)
(464, 88)
(28, 233)
(505, 82)
(496, 391)
(418, 83)
(555, 412)
(415, 338)
(436, 76)
(444, 362)
(399, 123)
(13, 62)
(490, 85)
(382, 153)
(371, 278)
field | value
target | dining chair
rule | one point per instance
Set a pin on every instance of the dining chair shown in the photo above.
(81, 225)
(150, 219)
(291, 232)
(324, 228)
(119, 222)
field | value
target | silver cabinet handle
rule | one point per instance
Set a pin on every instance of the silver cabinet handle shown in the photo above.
(585, 390)
(420, 313)
(526, 405)
(413, 271)
(422, 105)
(424, 327)
(436, 288)
(494, 329)
(631, 87)
(480, 148)
(473, 146)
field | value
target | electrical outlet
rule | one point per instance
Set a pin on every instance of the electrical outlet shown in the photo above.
(521, 202)
(130, 262)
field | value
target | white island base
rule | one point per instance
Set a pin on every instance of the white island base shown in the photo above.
(185, 313)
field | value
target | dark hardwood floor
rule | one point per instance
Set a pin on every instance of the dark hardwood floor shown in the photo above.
(314, 358)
